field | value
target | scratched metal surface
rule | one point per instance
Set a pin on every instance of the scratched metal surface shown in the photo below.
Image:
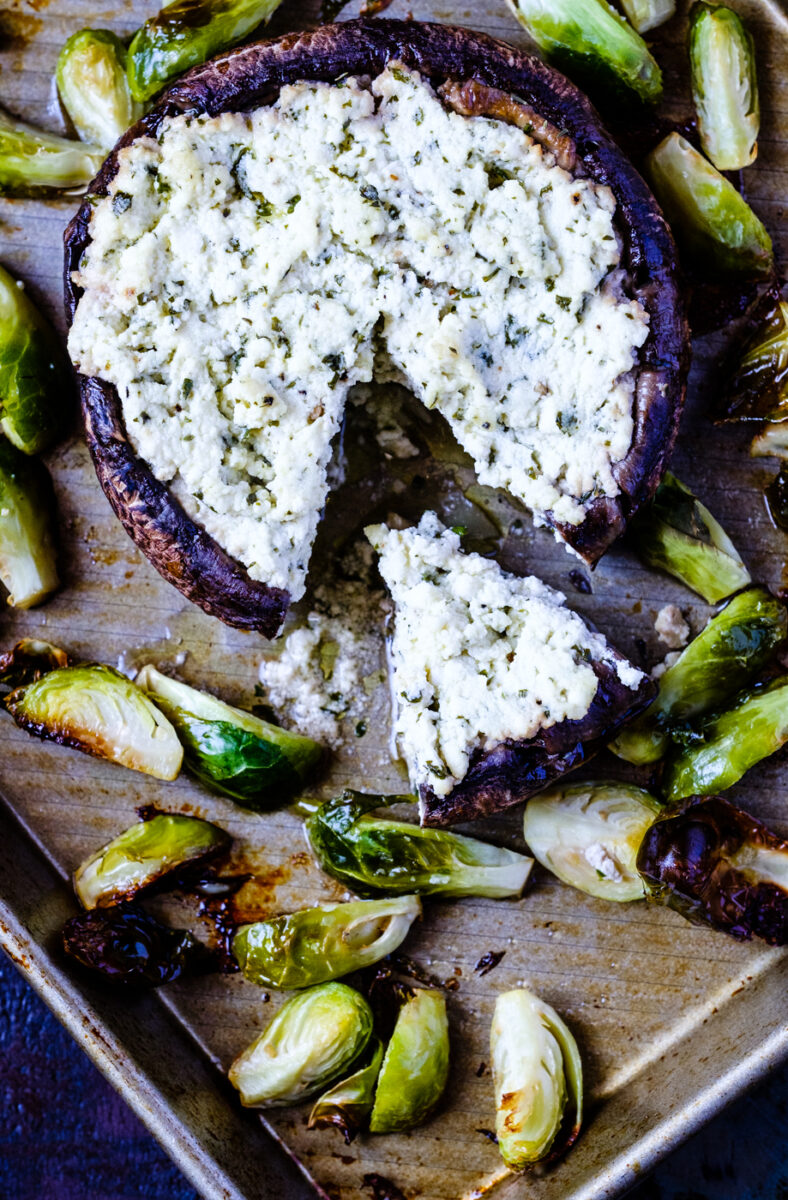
(673, 1020)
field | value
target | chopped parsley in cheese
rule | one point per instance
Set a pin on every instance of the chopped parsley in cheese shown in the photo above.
(478, 655)
(247, 269)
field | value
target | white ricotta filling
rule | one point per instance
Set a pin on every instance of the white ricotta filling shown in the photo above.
(246, 269)
(478, 655)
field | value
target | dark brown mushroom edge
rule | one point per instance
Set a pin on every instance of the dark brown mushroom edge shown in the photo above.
(476, 74)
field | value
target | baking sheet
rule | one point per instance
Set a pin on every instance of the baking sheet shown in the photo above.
(672, 1020)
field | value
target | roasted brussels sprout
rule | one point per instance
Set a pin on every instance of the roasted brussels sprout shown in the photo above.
(28, 661)
(95, 709)
(678, 534)
(724, 86)
(127, 945)
(771, 441)
(593, 44)
(232, 752)
(415, 1066)
(715, 227)
(187, 32)
(143, 854)
(35, 376)
(94, 88)
(536, 1067)
(34, 163)
(27, 547)
(316, 944)
(314, 1038)
(589, 834)
(719, 866)
(727, 744)
(648, 14)
(725, 657)
(777, 499)
(348, 1103)
(759, 389)
(374, 855)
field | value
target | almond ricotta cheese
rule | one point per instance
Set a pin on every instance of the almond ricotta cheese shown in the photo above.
(478, 655)
(247, 269)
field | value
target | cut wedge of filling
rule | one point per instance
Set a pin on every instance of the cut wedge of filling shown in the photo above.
(245, 270)
(479, 656)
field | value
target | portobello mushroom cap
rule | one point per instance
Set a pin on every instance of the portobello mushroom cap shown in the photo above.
(469, 63)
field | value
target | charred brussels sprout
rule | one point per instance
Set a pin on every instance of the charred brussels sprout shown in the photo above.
(648, 14)
(143, 854)
(727, 744)
(317, 944)
(94, 88)
(33, 162)
(97, 710)
(232, 752)
(314, 1038)
(777, 499)
(126, 945)
(719, 866)
(27, 546)
(348, 1104)
(678, 534)
(415, 1066)
(374, 855)
(536, 1069)
(28, 661)
(187, 32)
(35, 377)
(771, 441)
(593, 44)
(724, 86)
(759, 389)
(725, 657)
(715, 227)
(589, 835)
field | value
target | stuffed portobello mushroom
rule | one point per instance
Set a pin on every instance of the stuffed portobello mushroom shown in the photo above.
(374, 200)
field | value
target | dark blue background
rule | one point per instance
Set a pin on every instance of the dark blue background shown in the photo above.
(66, 1135)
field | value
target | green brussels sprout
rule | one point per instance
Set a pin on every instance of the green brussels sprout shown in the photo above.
(373, 855)
(729, 743)
(724, 86)
(91, 78)
(27, 545)
(589, 834)
(143, 854)
(725, 657)
(35, 163)
(714, 225)
(759, 389)
(677, 534)
(35, 375)
(316, 944)
(415, 1066)
(593, 44)
(536, 1068)
(230, 751)
(187, 32)
(348, 1103)
(648, 14)
(28, 660)
(314, 1038)
(95, 709)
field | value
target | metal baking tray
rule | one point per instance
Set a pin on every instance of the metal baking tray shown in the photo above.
(674, 1021)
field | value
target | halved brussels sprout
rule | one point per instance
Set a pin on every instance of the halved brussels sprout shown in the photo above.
(719, 866)
(536, 1067)
(759, 390)
(28, 660)
(232, 752)
(771, 442)
(348, 1103)
(589, 834)
(316, 944)
(678, 534)
(724, 86)
(725, 657)
(34, 163)
(648, 14)
(143, 854)
(35, 376)
(27, 546)
(714, 225)
(95, 709)
(127, 945)
(311, 1041)
(91, 79)
(374, 855)
(728, 744)
(777, 499)
(415, 1066)
(592, 44)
